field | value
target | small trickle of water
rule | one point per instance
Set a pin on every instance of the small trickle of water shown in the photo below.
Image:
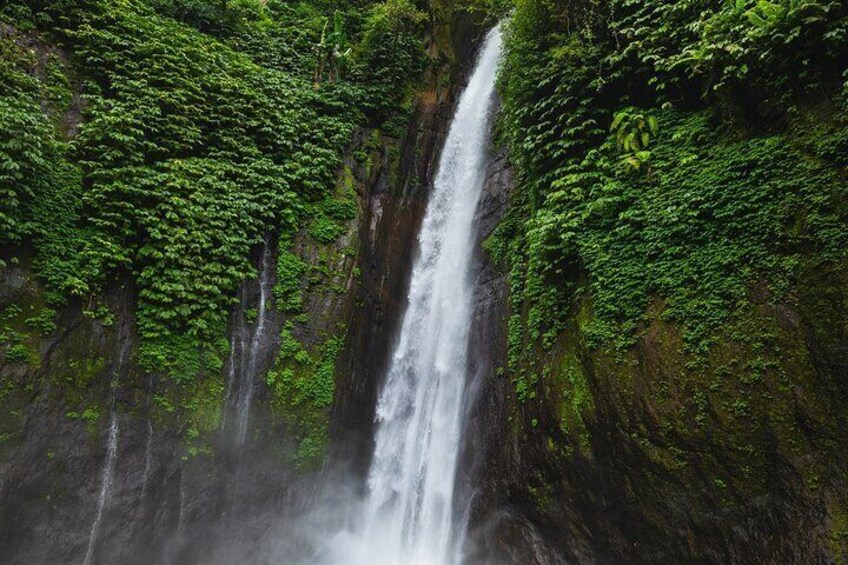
(248, 372)
(148, 459)
(410, 515)
(108, 477)
(232, 366)
(108, 472)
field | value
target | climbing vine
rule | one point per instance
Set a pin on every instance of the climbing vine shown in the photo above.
(664, 155)
(162, 140)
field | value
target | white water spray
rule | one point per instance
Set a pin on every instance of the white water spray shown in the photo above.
(409, 516)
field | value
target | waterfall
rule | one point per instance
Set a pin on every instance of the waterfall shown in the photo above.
(108, 474)
(232, 364)
(108, 477)
(410, 515)
(241, 369)
(148, 445)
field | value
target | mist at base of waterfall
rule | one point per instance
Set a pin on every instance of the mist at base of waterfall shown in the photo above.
(409, 512)
(406, 510)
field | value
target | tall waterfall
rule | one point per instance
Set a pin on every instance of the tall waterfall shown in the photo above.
(410, 514)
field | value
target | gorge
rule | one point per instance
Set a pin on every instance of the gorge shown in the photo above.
(387, 282)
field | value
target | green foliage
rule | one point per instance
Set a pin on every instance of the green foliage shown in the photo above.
(307, 379)
(201, 132)
(17, 325)
(391, 53)
(333, 50)
(90, 415)
(772, 49)
(288, 294)
(31, 154)
(721, 208)
(304, 384)
(223, 18)
(325, 230)
(202, 405)
(101, 313)
(17, 353)
(43, 321)
(490, 9)
(633, 131)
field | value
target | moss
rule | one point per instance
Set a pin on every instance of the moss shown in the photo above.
(312, 447)
(193, 409)
(542, 494)
(397, 125)
(716, 426)
(444, 16)
(202, 405)
(838, 535)
(303, 385)
(24, 322)
(394, 158)
(80, 372)
(182, 357)
(580, 405)
(90, 415)
(373, 148)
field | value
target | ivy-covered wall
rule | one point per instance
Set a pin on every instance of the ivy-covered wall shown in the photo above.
(167, 139)
(175, 141)
(675, 249)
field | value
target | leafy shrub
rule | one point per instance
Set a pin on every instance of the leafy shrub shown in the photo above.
(17, 353)
(189, 155)
(391, 53)
(724, 205)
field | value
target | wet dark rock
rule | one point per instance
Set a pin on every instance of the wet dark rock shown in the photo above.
(609, 489)
(170, 506)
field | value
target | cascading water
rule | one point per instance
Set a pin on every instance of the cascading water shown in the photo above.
(409, 516)
(242, 368)
(108, 473)
(108, 477)
(232, 364)
(148, 446)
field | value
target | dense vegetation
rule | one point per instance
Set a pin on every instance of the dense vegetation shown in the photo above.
(161, 141)
(675, 245)
(672, 156)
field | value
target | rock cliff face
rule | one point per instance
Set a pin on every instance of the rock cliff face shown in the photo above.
(642, 456)
(622, 457)
(652, 456)
(103, 463)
